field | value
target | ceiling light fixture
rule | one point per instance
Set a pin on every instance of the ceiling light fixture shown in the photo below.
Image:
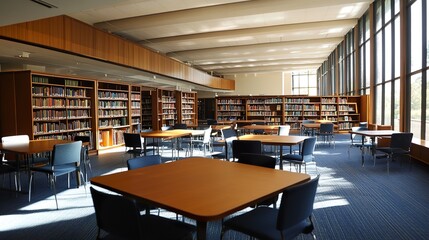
(45, 4)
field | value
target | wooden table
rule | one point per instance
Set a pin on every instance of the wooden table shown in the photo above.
(253, 127)
(26, 149)
(372, 134)
(169, 134)
(275, 140)
(201, 188)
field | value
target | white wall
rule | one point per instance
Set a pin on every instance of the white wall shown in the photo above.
(275, 83)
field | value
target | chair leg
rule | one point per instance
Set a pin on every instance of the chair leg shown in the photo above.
(29, 187)
(53, 182)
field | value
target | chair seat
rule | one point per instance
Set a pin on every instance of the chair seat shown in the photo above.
(261, 223)
(57, 171)
(160, 228)
(390, 150)
(292, 157)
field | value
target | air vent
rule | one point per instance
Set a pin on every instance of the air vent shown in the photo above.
(43, 3)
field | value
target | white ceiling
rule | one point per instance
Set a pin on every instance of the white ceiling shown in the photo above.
(223, 37)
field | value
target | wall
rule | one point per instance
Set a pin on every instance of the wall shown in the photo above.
(275, 83)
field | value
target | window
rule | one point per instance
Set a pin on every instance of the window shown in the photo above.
(304, 83)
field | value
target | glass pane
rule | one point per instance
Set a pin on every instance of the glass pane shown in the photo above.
(416, 104)
(378, 102)
(387, 103)
(379, 58)
(387, 11)
(397, 49)
(366, 27)
(367, 64)
(396, 7)
(427, 109)
(396, 108)
(427, 37)
(362, 68)
(388, 53)
(378, 15)
(416, 36)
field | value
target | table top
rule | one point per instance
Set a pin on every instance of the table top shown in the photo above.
(375, 133)
(34, 146)
(260, 127)
(203, 189)
(175, 133)
(275, 139)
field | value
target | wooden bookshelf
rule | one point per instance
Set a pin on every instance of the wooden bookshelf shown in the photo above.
(113, 113)
(136, 112)
(47, 106)
(267, 109)
(348, 112)
(166, 108)
(147, 108)
(228, 109)
(187, 108)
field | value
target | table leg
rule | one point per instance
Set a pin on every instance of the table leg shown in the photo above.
(280, 157)
(201, 230)
(362, 149)
(144, 146)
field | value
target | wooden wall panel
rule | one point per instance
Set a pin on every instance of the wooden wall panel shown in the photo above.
(68, 34)
(79, 37)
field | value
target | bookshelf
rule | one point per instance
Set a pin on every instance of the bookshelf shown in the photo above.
(293, 111)
(228, 109)
(146, 108)
(46, 106)
(166, 108)
(113, 113)
(135, 105)
(187, 102)
(348, 112)
(328, 109)
(267, 109)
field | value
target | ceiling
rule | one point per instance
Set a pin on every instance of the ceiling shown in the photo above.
(221, 37)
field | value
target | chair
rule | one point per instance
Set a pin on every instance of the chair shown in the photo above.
(120, 217)
(306, 131)
(284, 130)
(133, 144)
(143, 161)
(326, 131)
(228, 135)
(180, 126)
(204, 143)
(293, 217)
(5, 168)
(383, 141)
(65, 160)
(85, 160)
(258, 131)
(305, 155)
(400, 144)
(211, 122)
(245, 146)
(356, 140)
(260, 160)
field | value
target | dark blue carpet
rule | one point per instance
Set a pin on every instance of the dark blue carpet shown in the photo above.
(353, 202)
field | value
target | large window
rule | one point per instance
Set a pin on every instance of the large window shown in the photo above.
(304, 83)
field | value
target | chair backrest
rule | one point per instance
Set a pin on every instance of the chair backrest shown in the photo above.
(245, 146)
(363, 124)
(308, 147)
(117, 215)
(16, 139)
(297, 205)
(207, 135)
(372, 126)
(326, 128)
(84, 139)
(308, 121)
(180, 126)
(143, 161)
(284, 130)
(255, 159)
(165, 128)
(211, 122)
(355, 137)
(228, 133)
(132, 140)
(401, 140)
(384, 127)
(67, 153)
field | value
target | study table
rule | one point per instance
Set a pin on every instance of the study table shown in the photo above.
(29, 148)
(253, 127)
(169, 134)
(275, 140)
(372, 134)
(199, 188)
